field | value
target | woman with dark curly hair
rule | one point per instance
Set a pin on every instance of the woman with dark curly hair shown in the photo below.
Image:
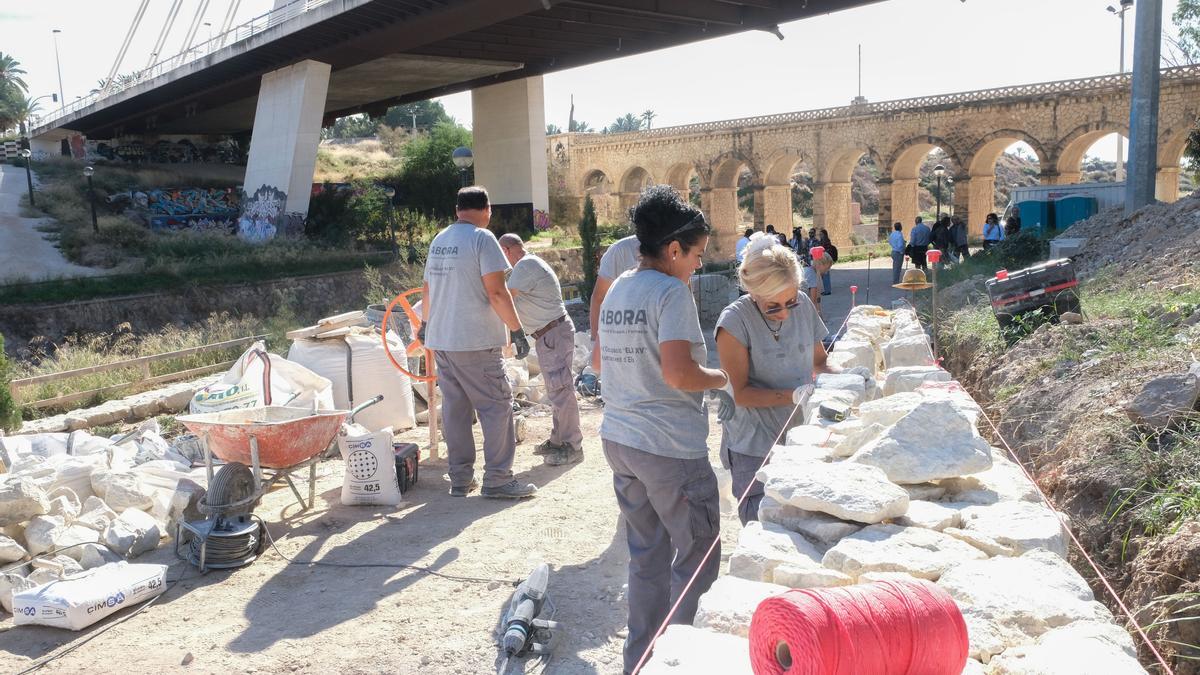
(655, 427)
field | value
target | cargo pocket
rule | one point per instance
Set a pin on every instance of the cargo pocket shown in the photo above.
(496, 383)
(704, 509)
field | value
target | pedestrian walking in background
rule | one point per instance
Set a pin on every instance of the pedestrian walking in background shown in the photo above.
(960, 237)
(537, 295)
(918, 244)
(770, 345)
(827, 277)
(896, 241)
(655, 427)
(993, 234)
(741, 243)
(940, 235)
(1013, 225)
(467, 318)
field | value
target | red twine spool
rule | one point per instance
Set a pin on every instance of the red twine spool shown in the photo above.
(881, 628)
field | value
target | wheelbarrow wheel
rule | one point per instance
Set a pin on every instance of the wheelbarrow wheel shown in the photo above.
(233, 491)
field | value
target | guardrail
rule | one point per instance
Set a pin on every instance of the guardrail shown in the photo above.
(142, 363)
(1082, 85)
(232, 36)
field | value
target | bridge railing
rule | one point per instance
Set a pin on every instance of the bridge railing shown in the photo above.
(1090, 84)
(212, 45)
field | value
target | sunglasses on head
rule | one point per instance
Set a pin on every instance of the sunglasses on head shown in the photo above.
(789, 305)
(694, 224)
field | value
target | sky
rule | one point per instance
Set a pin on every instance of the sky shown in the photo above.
(910, 48)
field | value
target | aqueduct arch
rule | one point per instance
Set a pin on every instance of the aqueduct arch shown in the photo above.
(634, 180)
(981, 171)
(1073, 147)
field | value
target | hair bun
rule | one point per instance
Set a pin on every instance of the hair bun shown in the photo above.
(760, 242)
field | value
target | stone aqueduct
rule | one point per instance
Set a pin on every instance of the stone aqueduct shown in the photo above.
(1059, 120)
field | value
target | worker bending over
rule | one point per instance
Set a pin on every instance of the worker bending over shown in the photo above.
(538, 298)
(655, 427)
(467, 318)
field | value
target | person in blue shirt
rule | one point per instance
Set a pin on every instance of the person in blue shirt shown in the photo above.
(918, 244)
(896, 241)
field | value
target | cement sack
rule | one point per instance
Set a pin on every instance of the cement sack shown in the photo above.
(370, 475)
(359, 369)
(248, 385)
(83, 599)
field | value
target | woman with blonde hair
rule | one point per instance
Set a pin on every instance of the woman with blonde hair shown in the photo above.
(769, 343)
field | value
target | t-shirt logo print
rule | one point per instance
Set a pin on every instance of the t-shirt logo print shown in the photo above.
(362, 464)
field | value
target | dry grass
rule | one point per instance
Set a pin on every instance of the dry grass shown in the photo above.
(346, 162)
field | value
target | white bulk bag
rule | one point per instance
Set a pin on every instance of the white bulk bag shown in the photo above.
(247, 385)
(370, 476)
(83, 599)
(359, 369)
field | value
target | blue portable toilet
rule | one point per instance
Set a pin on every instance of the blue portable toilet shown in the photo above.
(1035, 216)
(1074, 208)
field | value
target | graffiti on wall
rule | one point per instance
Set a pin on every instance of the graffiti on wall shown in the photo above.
(226, 151)
(192, 208)
(541, 220)
(262, 214)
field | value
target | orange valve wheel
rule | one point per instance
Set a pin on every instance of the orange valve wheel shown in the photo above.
(415, 346)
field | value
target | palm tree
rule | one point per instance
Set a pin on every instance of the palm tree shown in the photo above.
(11, 72)
(581, 127)
(17, 109)
(626, 123)
(552, 129)
(648, 116)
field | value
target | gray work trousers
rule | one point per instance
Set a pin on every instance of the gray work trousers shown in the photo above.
(555, 351)
(742, 471)
(672, 515)
(897, 265)
(475, 381)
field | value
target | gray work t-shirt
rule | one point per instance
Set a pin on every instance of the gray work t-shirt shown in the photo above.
(621, 257)
(642, 310)
(809, 278)
(539, 296)
(785, 364)
(460, 317)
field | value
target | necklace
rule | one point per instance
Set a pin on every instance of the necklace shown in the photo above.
(774, 331)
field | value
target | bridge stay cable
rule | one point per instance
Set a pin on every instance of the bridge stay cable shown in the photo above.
(190, 37)
(133, 27)
(228, 22)
(166, 30)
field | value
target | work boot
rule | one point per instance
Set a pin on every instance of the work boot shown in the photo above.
(566, 454)
(546, 447)
(510, 490)
(464, 490)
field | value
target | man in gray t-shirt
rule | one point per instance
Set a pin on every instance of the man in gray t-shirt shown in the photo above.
(622, 256)
(465, 311)
(538, 297)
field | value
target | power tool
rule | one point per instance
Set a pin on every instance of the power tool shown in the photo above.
(525, 632)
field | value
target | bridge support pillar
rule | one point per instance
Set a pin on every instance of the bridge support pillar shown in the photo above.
(758, 207)
(974, 198)
(283, 147)
(903, 201)
(777, 207)
(722, 212)
(831, 211)
(509, 141)
(1166, 184)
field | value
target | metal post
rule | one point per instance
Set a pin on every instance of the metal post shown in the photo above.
(29, 178)
(869, 256)
(1120, 140)
(432, 401)
(1143, 111)
(92, 199)
(62, 100)
(935, 311)
(462, 177)
(939, 200)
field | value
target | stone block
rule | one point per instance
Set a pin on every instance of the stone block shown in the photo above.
(20, 500)
(60, 565)
(929, 515)
(729, 604)
(122, 490)
(1003, 482)
(133, 532)
(10, 550)
(888, 410)
(909, 378)
(842, 489)
(686, 650)
(931, 442)
(912, 350)
(1080, 648)
(810, 577)
(819, 527)
(1021, 526)
(1164, 400)
(923, 553)
(95, 555)
(853, 353)
(96, 514)
(764, 546)
(810, 434)
(980, 541)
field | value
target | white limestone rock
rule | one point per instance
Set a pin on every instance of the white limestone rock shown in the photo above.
(810, 434)
(41, 533)
(687, 650)
(923, 553)
(810, 577)
(852, 354)
(1022, 526)
(800, 453)
(929, 515)
(855, 440)
(1081, 648)
(96, 514)
(844, 382)
(974, 667)
(929, 492)
(20, 500)
(841, 489)
(10, 550)
(888, 410)
(12, 583)
(1003, 482)
(764, 546)
(122, 490)
(819, 396)
(909, 350)
(729, 604)
(904, 379)
(60, 564)
(65, 507)
(933, 441)
(1008, 602)
(871, 577)
(980, 541)
(95, 555)
(133, 532)
(814, 525)
(954, 393)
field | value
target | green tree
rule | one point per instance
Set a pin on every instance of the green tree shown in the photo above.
(649, 115)
(627, 122)
(351, 126)
(428, 115)
(1187, 22)
(10, 414)
(1192, 151)
(11, 72)
(577, 126)
(429, 180)
(552, 129)
(589, 242)
(16, 108)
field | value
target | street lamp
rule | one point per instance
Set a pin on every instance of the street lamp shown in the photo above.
(1120, 13)
(939, 171)
(54, 33)
(463, 159)
(88, 171)
(390, 192)
(28, 173)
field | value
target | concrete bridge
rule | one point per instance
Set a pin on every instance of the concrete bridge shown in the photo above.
(1059, 120)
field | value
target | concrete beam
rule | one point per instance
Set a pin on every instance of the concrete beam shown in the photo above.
(509, 139)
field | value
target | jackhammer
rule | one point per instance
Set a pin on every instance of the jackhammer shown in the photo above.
(525, 632)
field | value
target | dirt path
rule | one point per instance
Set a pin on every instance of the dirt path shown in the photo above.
(272, 617)
(25, 253)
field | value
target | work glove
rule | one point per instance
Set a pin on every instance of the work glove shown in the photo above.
(520, 343)
(724, 398)
(421, 331)
(862, 371)
(802, 393)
